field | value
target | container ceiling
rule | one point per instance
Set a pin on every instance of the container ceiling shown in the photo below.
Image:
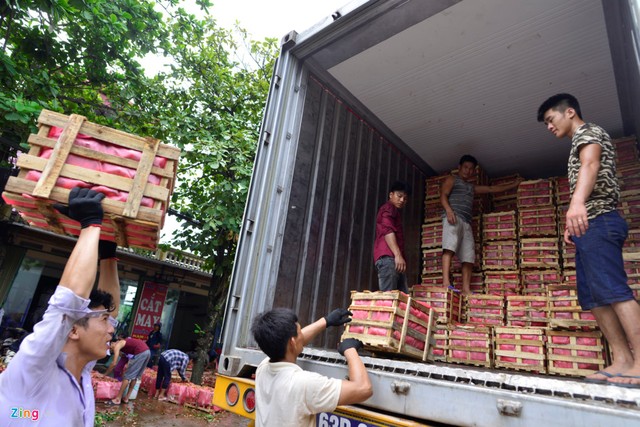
(468, 77)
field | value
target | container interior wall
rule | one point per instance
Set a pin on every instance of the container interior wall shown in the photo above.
(623, 28)
(344, 169)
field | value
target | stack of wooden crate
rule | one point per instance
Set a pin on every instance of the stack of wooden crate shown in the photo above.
(432, 231)
(500, 253)
(526, 316)
(136, 174)
(628, 172)
(391, 322)
(447, 308)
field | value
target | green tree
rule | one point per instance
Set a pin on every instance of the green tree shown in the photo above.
(70, 56)
(83, 57)
(213, 111)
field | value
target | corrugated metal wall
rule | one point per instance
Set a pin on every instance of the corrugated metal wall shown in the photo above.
(343, 172)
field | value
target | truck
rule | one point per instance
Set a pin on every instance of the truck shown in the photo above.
(386, 90)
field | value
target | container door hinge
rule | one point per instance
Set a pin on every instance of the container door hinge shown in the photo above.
(509, 408)
(400, 387)
(248, 225)
(266, 137)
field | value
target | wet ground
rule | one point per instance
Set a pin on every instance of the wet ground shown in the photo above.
(150, 412)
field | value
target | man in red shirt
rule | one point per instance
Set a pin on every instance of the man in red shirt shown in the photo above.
(140, 355)
(388, 248)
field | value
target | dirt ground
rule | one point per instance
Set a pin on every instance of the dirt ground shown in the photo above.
(144, 411)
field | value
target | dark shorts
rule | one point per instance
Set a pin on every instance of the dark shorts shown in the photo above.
(600, 272)
(388, 278)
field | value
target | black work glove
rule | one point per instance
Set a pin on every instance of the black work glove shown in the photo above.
(107, 249)
(84, 206)
(349, 343)
(338, 317)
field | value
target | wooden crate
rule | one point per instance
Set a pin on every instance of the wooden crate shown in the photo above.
(445, 302)
(485, 309)
(527, 311)
(433, 185)
(562, 194)
(391, 322)
(431, 261)
(432, 209)
(574, 353)
(499, 226)
(565, 311)
(568, 254)
(537, 222)
(431, 280)
(539, 252)
(502, 282)
(521, 349)
(631, 248)
(536, 193)
(470, 345)
(629, 183)
(432, 234)
(500, 255)
(632, 268)
(561, 219)
(507, 197)
(629, 208)
(481, 204)
(569, 278)
(535, 282)
(439, 343)
(137, 175)
(626, 150)
(504, 205)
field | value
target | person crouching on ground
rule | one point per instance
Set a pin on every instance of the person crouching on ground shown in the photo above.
(170, 360)
(286, 395)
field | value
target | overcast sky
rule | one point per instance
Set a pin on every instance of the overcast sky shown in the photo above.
(273, 18)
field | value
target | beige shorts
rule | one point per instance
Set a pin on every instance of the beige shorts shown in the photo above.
(458, 238)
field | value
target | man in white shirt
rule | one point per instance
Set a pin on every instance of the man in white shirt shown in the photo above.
(49, 380)
(286, 395)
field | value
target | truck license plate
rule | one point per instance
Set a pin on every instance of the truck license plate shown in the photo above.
(329, 419)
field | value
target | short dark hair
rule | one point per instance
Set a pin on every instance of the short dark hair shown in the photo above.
(468, 158)
(272, 331)
(97, 298)
(559, 102)
(400, 186)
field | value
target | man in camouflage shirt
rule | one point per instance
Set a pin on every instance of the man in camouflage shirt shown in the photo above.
(598, 232)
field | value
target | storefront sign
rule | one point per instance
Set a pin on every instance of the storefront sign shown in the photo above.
(149, 310)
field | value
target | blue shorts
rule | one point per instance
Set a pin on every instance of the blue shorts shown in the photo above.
(388, 278)
(599, 265)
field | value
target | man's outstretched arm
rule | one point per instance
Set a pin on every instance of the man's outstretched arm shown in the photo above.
(85, 206)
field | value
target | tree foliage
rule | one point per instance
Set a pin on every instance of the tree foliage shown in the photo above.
(84, 57)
